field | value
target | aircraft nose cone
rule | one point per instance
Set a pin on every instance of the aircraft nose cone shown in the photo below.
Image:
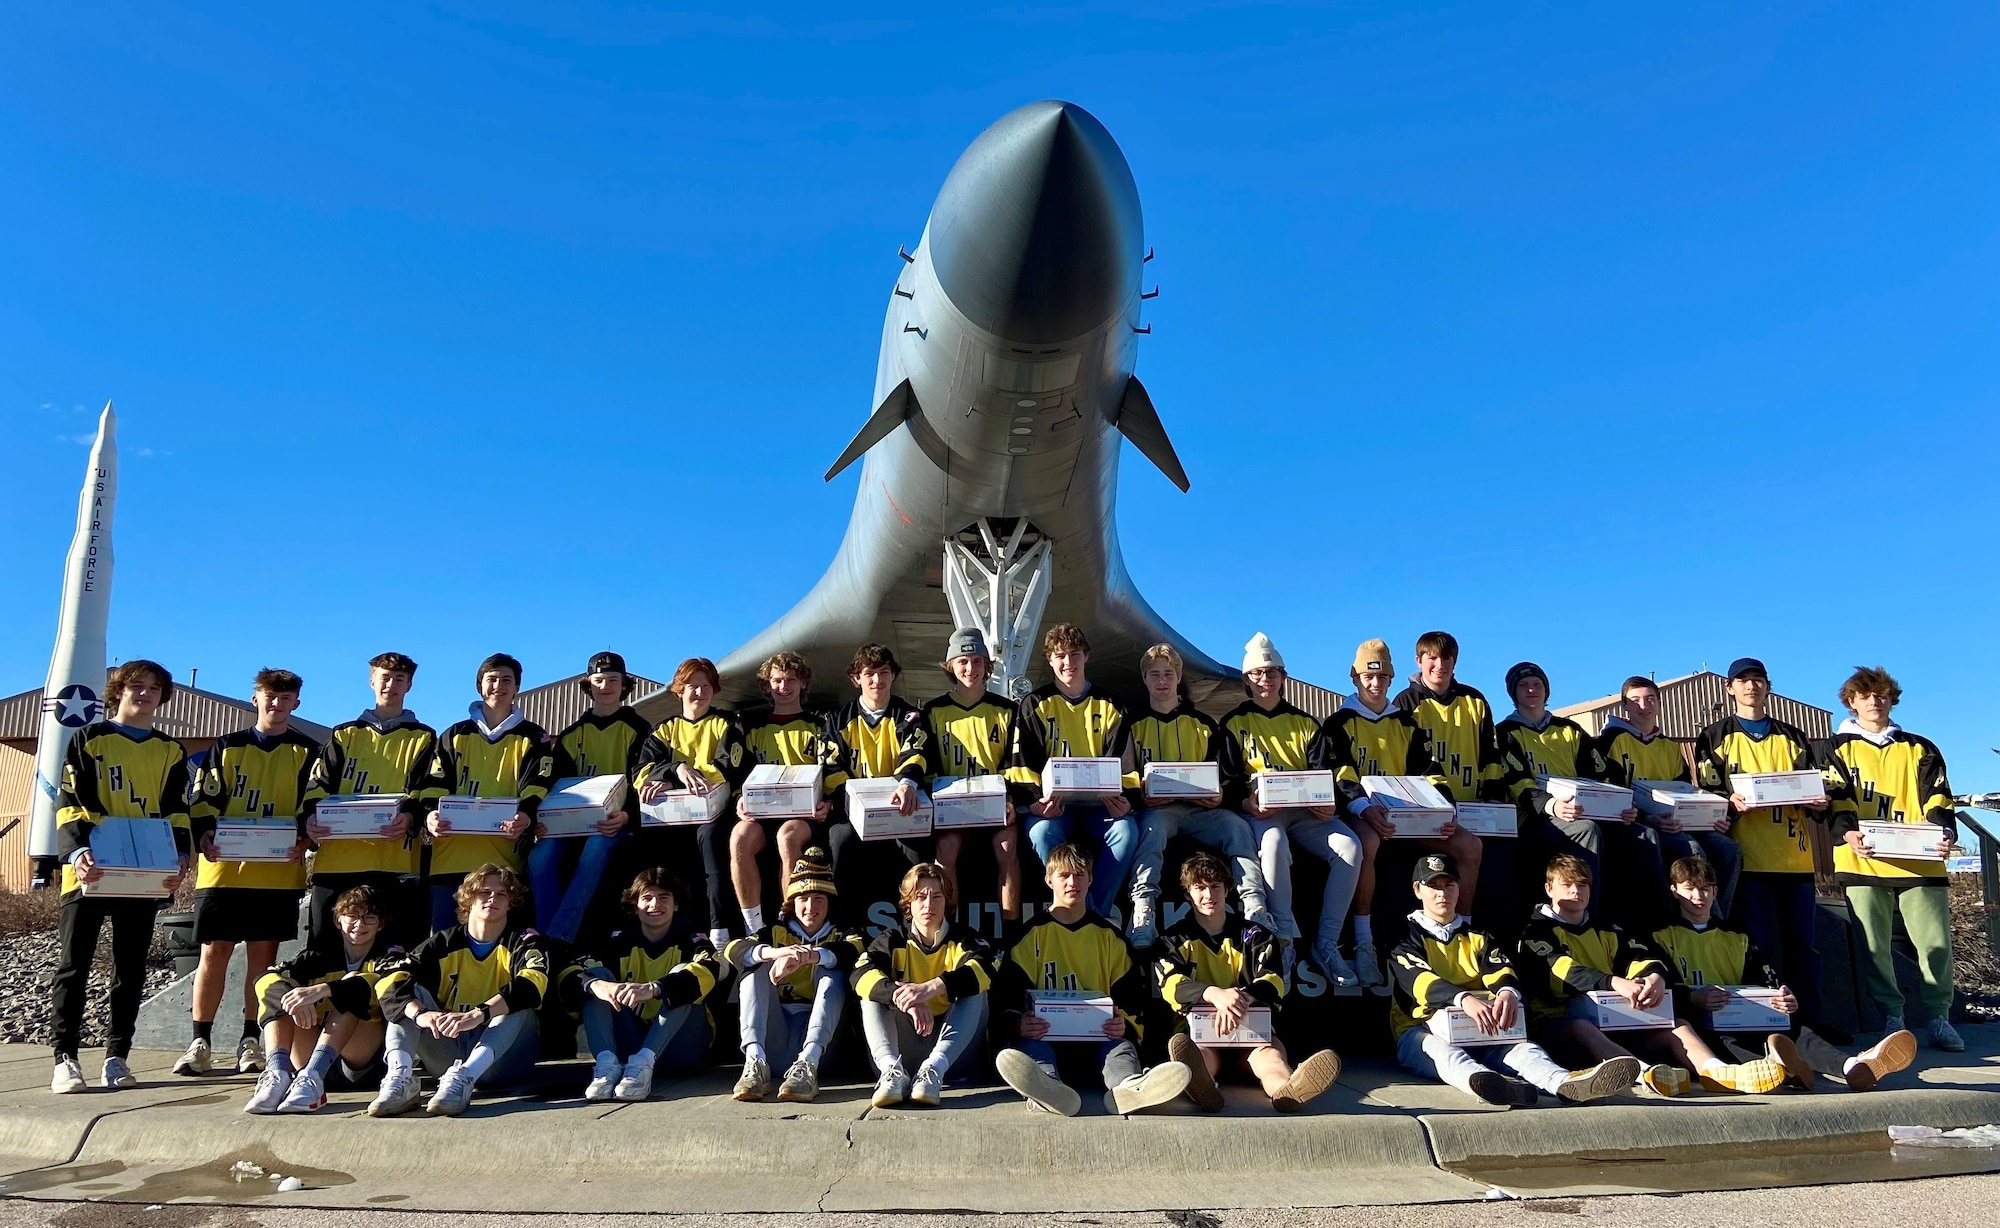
(1036, 235)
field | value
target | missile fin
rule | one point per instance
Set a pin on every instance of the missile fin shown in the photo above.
(1139, 422)
(895, 409)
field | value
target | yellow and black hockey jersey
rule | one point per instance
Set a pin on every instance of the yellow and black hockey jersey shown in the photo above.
(1563, 960)
(1431, 971)
(960, 958)
(1460, 723)
(798, 987)
(1775, 839)
(354, 985)
(1630, 758)
(1716, 954)
(1184, 735)
(973, 741)
(467, 763)
(1558, 748)
(895, 743)
(249, 776)
(516, 968)
(373, 756)
(1088, 955)
(1050, 725)
(1283, 739)
(711, 743)
(1240, 956)
(113, 771)
(1363, 743)
(790, 741)
(1898, 780)
(681, 962)
(596, 745)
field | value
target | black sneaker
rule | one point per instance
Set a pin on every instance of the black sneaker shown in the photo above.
(1495, 1088)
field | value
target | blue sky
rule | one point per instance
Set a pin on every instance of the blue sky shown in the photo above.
(1620, 340)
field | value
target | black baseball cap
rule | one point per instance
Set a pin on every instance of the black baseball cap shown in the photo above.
(1429, 866)
(606, 663)
(1748, 665)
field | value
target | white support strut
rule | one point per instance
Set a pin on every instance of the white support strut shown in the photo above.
(1001, 589)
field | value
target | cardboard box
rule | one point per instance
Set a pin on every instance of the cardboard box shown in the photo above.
(968, 801)
(1073, 1014)
(1082, 779)
(776, 792)
(1750, 1010)
(1456, 1028)
(1601, 802)
(477, 816)
(1415, 805)
(357, 816)
(1696, 809)
(1292, 790)
(1489, 820)
(138, 857)
(1254, 1030)
(577, 804)
(875, 817)
(1615, 1014)
(1181, 782)
(1778, 788)
(1903, 841)
(685, 807)
(255, 840)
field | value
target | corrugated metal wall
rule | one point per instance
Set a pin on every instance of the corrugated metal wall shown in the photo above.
(17, 782)
(1689, 704)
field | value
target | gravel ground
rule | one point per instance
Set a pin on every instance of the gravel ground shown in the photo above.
(28, 952)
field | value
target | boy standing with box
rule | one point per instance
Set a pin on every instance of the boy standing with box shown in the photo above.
(1445, 964)
(1775, 899)
(877, 735)
(972, 734)
(260, 775)
(1467, 751)
(699, 749)
(1634, 749)
(1068, 718)
(787, 736)
(1885, 774)
(1215, 961)
(1074, 950)
(564, 874)
(384, 751)
(115, 769)
(1173, 730)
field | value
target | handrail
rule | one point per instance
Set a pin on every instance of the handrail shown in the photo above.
(1989, 862)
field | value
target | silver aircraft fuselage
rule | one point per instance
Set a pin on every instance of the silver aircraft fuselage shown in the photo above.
(1015, 328)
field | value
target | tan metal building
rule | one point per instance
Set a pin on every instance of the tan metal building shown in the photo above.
(1692, 701)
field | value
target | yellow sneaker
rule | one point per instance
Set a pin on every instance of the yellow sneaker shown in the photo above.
(1665, 1080)
(1762, 1075)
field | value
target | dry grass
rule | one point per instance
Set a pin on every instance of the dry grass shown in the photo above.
(1978, 964)
(27, 912)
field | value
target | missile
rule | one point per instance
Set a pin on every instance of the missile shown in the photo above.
(73, 695)
(989, 465)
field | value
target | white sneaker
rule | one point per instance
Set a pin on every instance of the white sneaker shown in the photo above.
(1945, 1037)
(755, 1083)
(249, 1055)
(1368, 965)
(270, 1092)
(892, 1088)
(198, 1060)
(928, 1087)
(399, 1093)
(1142, 1091)
(68, 1076)
(454, 1093)
(308, 1095)
(1337, 970)
(118, 1074)
(1143, 933)
(1038, 1087)
(604, 1075)
(1261, 916)
(637, 1082)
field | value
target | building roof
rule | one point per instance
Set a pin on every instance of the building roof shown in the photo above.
(1693, 701)
(191, 714)
(553, 705)
(1316, 701)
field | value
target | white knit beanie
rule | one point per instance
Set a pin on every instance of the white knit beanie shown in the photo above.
(1261, 653)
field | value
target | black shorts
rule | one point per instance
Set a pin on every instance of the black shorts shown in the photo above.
(246, 914)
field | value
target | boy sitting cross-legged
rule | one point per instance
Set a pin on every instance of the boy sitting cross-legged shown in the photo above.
(641, 992)
(320, 1008)
(1446, 963)
(1703, 954)
(1075, 950)
(794, 985)
(1569, 956)
(1213, 957)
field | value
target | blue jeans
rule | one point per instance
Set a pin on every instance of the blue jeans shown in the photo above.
(508, 1047)
(1781, 911)
(677, 1036)
(951, 1046)
(1117, 839)
(1720, 851)
(1225, 831)
(582, 861)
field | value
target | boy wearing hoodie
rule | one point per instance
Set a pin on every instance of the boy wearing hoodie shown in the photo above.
(386, 751)
(1634, 749)
(794, 985)
(1885, 774)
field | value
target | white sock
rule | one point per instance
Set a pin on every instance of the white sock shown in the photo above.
(480, 1061)
(644, 1057)
(754, 1052)
(606, 1055)
(1847, 1067)
(1711, 1065)
(1364, 930)
(400, 1062)
(810, 1055)
(753, 920)
(718, 938)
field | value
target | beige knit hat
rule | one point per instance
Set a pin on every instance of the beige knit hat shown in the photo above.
(1372, 657)
(1261, 653)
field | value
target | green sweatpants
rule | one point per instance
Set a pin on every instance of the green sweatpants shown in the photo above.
(1926, 908)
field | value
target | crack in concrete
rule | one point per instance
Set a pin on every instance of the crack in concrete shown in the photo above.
(820, 1203)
